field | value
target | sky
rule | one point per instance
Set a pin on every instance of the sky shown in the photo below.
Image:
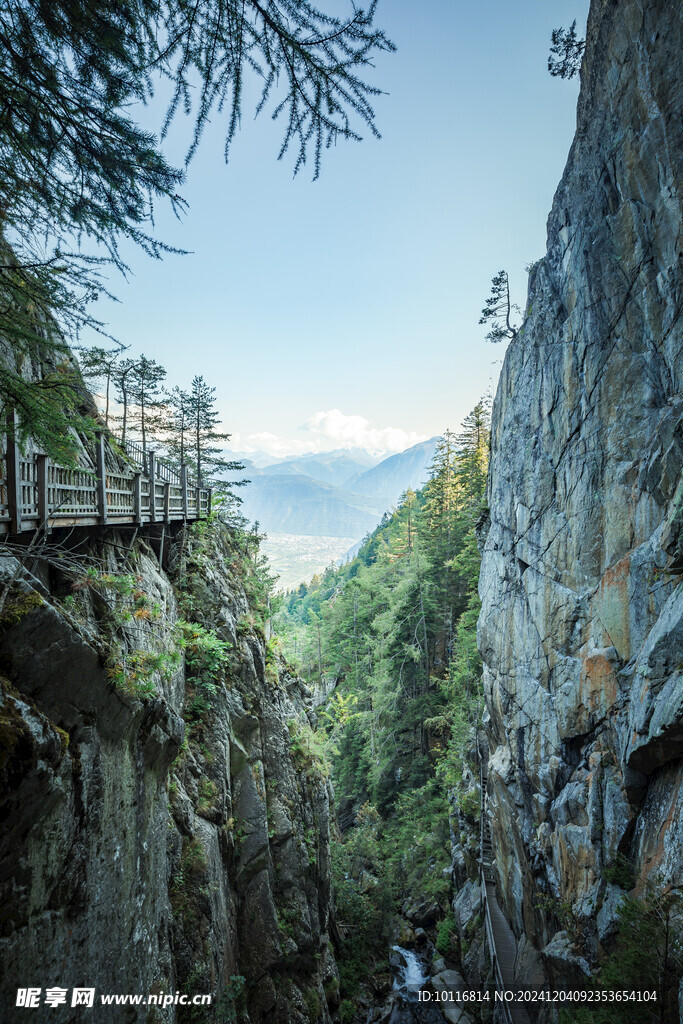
(344, 312)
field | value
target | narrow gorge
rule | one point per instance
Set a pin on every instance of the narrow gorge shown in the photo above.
(279, 805)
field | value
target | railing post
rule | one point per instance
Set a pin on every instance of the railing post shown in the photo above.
(198, 499)
(137, 497)
(167, 502)
(183, 485)
(208, 503)
(14, 496)
(152, 488)
(43, 507)
(101, 479)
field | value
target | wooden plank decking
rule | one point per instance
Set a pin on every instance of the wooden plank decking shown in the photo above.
(134, 488)
(499, 935)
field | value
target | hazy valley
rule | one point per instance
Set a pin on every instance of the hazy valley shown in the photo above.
(316, 507)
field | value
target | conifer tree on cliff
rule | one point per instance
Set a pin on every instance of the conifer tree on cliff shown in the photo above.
(122, 377)
(178, 425)
(203, 418)
(78, 176)
(102, 367)
(147, 398)
(566, 52)
(497, 312)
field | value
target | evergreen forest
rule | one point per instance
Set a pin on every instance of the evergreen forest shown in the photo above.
(390, 637)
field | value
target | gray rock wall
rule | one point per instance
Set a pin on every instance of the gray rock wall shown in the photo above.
(170, 842)
(581, 628)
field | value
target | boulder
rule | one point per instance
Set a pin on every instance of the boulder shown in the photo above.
(467, 905)
(381, 984)
(424, 915)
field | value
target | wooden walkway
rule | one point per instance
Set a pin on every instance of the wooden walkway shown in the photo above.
(35, 491)
(499, 935)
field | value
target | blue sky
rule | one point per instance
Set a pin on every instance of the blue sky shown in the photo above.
(345, 311)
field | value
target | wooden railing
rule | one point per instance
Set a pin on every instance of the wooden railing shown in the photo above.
(499, 936)
(35, 490)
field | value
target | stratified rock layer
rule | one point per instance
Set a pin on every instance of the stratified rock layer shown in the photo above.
(581, 628)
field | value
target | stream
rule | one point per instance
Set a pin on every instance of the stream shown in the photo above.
(409, 978)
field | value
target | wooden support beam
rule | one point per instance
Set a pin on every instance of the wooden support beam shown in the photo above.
(183, 484)
(43, 506)
(198, 499)
(167, 502)
(13, 458)
(132, 541)
(137, 497)
(208, 502)
(101, 479)
(152, 488)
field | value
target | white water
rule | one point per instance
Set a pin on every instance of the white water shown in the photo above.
(410, 978)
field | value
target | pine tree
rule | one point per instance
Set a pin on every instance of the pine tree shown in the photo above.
(406, 518)
(178, 425)
(99, 365)
(73, 166)
(40, 381)
(473, 444)
(51, 410)
(122, 377)
(647, 956)
(147, 397)
(203, 419)
(78, 175)
(566, 52)
(441, 490)
(498, 310)
(442, 531)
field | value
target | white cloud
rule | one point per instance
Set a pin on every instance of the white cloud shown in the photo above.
(337, 430)
(326, 431)
(274, 444)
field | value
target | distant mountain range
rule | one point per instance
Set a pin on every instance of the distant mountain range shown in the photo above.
(388, 480)
(334, 468)
(333, 494)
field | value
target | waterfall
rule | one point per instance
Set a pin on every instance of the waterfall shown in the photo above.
(411, 977)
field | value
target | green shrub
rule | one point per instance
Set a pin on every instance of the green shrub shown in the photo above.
(469, 803)
(647, 957)
(134, 672)
(446, 936)
(231, 1003)
(208, 792)
(205, 653)
(620, 872)
(416, 839)
(308, 750)
(331, 989)
(365, 897)
(347, 1011)
(199, 700)
(194, 860)
(313, 1005)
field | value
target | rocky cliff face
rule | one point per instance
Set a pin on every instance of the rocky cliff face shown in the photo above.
(582, 622)
(165, 816)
